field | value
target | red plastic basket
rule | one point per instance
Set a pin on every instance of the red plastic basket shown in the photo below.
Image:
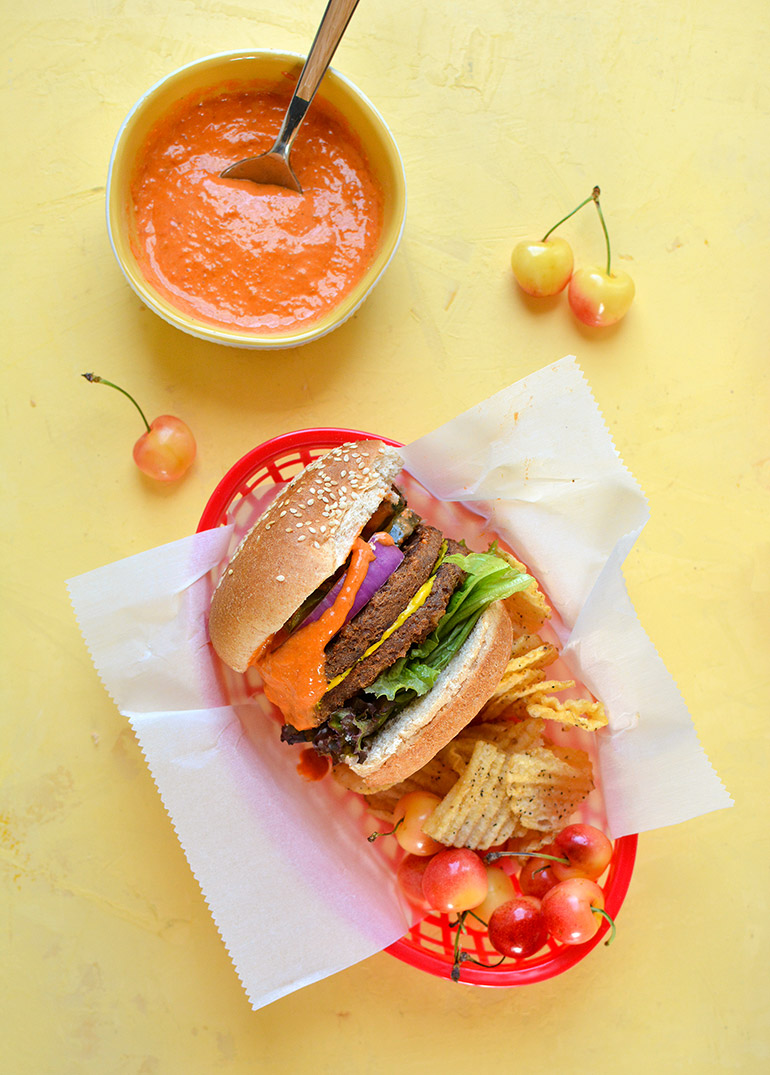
(430, 944)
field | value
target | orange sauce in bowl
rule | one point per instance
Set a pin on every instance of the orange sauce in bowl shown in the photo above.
(239, 255)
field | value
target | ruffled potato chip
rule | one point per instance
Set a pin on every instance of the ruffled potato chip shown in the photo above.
(476, 812)
(524, 691)
(579, 712)
(547, 784)
(528, 608)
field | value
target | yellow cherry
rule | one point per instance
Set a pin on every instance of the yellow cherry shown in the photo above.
(544, 267)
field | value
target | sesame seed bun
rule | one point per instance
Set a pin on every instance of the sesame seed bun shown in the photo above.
(417, 733)
(303, 537)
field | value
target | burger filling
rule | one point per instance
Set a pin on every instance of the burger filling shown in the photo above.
(393, 650)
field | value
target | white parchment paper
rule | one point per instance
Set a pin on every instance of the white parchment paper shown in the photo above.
(537, 461)
(537, 465)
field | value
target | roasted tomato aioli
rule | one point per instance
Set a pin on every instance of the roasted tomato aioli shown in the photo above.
(312, 766)
(293, 674)
(257, 258)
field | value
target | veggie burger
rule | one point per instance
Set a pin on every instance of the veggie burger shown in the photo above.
(377, 637)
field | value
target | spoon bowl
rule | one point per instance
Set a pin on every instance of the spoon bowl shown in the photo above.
(227, 72)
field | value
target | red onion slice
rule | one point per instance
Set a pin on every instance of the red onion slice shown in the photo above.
(387, 557)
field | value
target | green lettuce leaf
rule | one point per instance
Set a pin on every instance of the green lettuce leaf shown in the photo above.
(488, 579)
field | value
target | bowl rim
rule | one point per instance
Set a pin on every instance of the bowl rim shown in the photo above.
(221, 335)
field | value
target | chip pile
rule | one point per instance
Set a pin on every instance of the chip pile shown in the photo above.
(524, 690)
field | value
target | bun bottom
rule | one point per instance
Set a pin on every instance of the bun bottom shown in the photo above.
(417, 734)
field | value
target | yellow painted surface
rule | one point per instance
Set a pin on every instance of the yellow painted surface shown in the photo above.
(507, 115)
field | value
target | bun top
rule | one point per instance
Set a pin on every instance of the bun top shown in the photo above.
(296, 544)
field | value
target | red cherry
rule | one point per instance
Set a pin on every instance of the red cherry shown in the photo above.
(409, 875)
(517, 928)
(573, 910)
(588, 849)
(167, 449)
(537, 874)
(455, 880)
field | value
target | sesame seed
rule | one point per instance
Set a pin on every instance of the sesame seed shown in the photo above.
(280, 578)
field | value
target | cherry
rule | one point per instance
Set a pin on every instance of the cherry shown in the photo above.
(578, 850)
(587, 848)
(573, 910)
(500, 889)
(455, 880)
(166, 450)
(544, 268)
(409, 875)
(411, 813)
(599, 297)
(517, 928)
(537, 874)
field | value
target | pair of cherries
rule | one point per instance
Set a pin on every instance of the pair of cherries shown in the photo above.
(597, 297)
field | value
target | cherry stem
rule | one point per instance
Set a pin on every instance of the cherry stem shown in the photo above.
(92, 377)
(375, 835)
(493, 856)
(595, 198)
(465, 957)
(460, 925)
(477, 917)
(591, 198)
(603, 913)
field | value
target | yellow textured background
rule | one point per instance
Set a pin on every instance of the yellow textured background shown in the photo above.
(506, 115)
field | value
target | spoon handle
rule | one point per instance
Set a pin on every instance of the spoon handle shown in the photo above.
(333, 25)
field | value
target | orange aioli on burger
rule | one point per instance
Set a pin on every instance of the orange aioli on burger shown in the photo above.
(293, 675)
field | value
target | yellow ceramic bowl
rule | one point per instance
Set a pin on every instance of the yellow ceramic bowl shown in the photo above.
(209, 74)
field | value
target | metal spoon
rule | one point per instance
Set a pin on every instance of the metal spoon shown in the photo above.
(273, 166)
